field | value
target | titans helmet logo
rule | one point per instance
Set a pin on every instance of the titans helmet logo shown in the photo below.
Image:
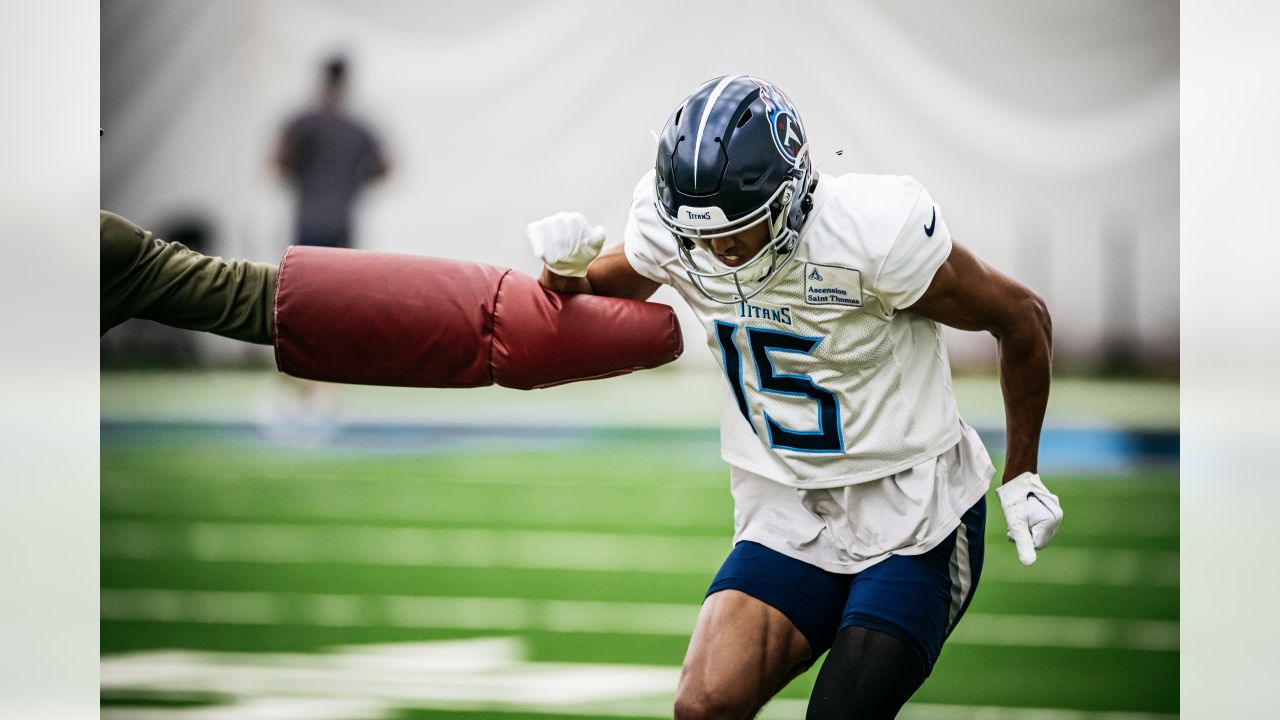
(787, 134)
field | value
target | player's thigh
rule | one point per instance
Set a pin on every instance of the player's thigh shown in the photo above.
(919, 599)
(742, 651)
(766, 618)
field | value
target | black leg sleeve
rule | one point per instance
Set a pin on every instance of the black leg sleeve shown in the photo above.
(868, 675)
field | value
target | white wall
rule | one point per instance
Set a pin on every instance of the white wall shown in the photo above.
(1047, 131)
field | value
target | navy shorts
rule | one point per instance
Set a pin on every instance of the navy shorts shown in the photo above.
(915, 598)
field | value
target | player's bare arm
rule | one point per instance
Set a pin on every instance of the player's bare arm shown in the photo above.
(968, 294)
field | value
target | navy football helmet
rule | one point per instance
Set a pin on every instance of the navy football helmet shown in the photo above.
(732, 156)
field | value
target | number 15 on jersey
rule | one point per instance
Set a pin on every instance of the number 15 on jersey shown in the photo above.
(760, 342)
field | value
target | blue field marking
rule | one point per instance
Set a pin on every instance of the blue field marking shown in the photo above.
(406, 438)
(1061, 449)
(1103, 450)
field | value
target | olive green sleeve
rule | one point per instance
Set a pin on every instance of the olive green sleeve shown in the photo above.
(146, 277)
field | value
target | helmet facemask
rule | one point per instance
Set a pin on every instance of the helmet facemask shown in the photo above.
(694, 228)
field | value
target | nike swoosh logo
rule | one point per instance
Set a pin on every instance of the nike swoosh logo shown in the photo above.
(933, 221)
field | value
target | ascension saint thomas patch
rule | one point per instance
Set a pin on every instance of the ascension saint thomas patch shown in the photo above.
(832, 285)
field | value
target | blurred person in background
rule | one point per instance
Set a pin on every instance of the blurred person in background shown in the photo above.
(859, 492)
(328, 157)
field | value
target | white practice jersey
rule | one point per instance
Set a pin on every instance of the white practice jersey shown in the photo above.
(848, 529)
(824, 382)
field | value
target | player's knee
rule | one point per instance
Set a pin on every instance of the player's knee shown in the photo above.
(700, 704)
(868, 675)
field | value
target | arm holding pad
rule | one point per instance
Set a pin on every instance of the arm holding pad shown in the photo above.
(372, 318)
(143, 276)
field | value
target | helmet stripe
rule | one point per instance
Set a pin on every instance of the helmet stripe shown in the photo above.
(702, 123)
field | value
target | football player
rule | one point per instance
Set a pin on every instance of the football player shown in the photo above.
(858, 489)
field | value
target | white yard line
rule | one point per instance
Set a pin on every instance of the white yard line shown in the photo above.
(364, 545)
(489, 675)
(1066, 632)
(791, 709)
(519, 614)
(785, 709)
(334, 495)
(554, 550)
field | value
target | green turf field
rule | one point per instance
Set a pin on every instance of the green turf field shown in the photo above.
(491, 580)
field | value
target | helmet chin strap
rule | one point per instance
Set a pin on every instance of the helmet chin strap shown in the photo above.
(753, 274)
(763, 266)
(757, 272)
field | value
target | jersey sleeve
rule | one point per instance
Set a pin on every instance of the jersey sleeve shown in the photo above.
(146, 277)
(921, 246)
(646, 243)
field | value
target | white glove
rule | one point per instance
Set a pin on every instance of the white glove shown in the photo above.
(565, 242)
(1033, 514)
